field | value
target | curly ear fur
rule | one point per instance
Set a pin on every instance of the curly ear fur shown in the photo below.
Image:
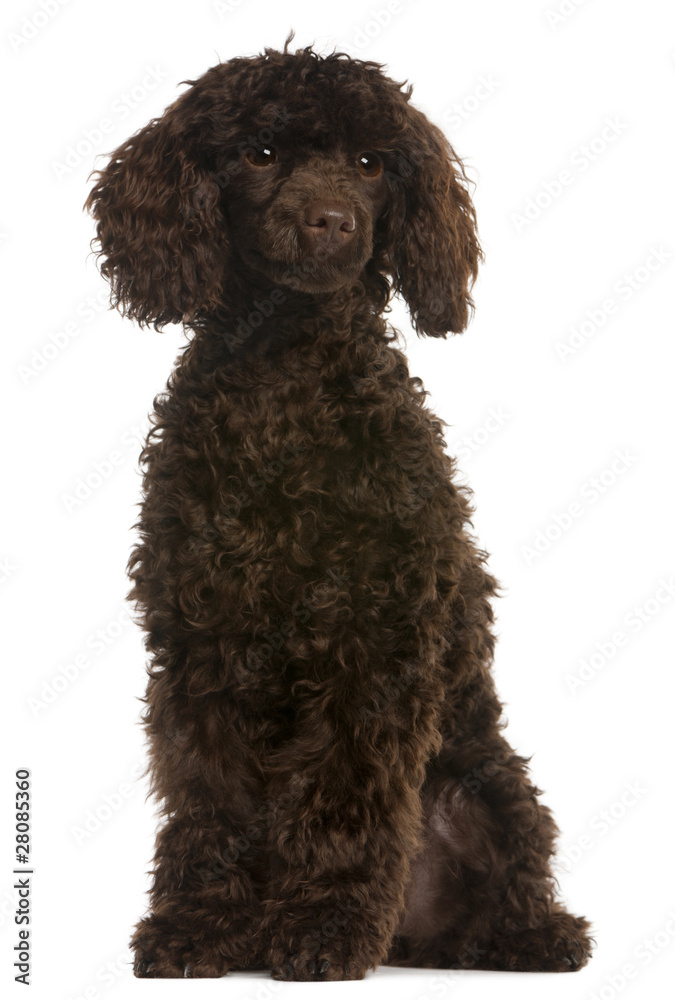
(436, 251)
(160, 229)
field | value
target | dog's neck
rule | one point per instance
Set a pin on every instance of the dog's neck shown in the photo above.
(259, 321)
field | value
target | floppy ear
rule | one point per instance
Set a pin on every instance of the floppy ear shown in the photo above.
(160, 228)
(435, 251)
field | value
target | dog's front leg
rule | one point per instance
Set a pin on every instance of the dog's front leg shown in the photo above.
(340, 848)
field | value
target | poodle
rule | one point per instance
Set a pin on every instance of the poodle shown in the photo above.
(324, 735)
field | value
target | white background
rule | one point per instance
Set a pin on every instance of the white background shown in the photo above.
(520, 95)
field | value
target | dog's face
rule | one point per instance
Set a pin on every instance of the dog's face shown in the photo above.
(313, 173)
(304, 218)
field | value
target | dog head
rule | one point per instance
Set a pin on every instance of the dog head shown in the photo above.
(301, 170)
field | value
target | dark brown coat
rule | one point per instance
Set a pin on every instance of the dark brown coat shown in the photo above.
(325, 738)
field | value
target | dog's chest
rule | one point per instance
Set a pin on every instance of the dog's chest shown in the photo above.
(335, 469)
(324, 447)
(313, 492)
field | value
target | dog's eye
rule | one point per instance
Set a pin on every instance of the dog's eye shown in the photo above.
(263, 157)
(369, 164)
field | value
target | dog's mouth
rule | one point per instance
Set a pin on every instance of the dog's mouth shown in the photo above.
(324, 270)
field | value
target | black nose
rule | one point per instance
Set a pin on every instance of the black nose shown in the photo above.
(329, 223)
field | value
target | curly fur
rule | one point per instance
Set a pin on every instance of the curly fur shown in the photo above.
(324, 734)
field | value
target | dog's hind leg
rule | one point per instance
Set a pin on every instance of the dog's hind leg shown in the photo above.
(482, 893)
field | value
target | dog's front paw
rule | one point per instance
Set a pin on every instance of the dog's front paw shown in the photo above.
(315, 947)
(164, 952)
(165, 968)
(305, 968)
(188, 966)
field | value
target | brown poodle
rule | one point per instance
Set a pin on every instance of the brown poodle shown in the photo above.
(325, 737)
